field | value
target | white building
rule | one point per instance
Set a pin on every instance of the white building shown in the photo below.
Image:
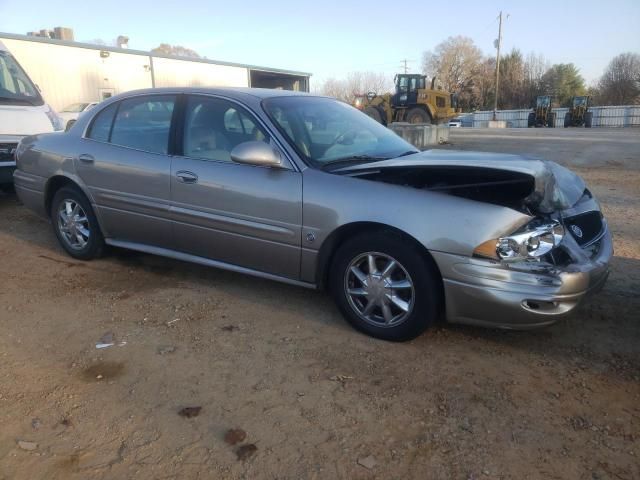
(71, 72)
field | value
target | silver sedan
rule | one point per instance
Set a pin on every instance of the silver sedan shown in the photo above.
(308, 190)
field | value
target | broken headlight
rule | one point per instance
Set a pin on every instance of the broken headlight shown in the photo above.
(533, 241)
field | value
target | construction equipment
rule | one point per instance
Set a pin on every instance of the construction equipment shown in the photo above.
(412, 102)
(579, 114)
(542, 116)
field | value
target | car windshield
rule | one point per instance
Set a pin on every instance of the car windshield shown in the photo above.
(76, 107)
(325, 131)
(15, 87)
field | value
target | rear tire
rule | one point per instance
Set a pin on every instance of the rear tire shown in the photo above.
(418, 115)
(406, 299)
(374, 113)
(75, 224)
(588, 119)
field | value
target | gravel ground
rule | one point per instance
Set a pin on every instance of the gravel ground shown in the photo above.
(313, 398)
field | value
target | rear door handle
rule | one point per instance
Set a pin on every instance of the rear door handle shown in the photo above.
(86, 158)
(187, 177)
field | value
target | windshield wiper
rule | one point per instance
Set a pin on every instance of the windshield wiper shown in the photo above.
(351, 160)
(408, 152)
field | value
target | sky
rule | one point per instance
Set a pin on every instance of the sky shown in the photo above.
(332, 38)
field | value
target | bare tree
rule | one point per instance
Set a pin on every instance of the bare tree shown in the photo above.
(454, 62)
(335, 88)
(535, 66)
(484, 86)
(512, 80)
(620, 83)
(356, 83)
(177, 50)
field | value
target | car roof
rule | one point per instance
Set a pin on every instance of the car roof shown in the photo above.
(232, 92)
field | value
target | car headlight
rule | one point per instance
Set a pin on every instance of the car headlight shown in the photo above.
(529, 243)
(56, 121)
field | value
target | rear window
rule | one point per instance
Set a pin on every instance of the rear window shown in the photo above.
(143, 123)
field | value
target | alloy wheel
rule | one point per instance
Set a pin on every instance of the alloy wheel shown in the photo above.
(379, 289)
(73, 224)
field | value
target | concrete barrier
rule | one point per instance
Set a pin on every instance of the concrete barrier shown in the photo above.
(421, 135)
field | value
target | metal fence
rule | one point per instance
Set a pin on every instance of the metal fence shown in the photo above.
(608, 116)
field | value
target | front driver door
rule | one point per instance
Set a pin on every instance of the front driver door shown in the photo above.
(242, 215)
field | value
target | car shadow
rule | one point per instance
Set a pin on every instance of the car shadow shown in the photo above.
(22, 224)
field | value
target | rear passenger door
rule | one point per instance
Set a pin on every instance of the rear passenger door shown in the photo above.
(125, 164)
(244, 215)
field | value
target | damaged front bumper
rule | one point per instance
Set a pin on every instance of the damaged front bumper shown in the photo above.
(523, 296)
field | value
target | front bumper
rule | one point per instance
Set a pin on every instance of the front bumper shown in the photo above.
(8, 145)
(486, 293)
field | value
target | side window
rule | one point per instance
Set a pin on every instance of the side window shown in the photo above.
(101, 126)
(143, 123)
(440, 102)
(213, 127)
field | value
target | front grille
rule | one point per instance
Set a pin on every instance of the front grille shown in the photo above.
(584, 228)
(7, 151)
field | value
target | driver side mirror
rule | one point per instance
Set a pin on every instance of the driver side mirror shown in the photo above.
(256, 153)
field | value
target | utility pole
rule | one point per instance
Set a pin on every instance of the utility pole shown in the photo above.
(404, 62)
(498, 44)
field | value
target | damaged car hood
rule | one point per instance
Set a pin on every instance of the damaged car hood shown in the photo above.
(511, 180)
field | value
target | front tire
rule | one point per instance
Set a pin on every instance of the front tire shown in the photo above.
(75, 224)
(418, 115)
(375, 113)
(531, 120)
(384, 286)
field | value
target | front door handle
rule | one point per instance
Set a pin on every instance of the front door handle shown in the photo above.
(187, 177)
(86, 158)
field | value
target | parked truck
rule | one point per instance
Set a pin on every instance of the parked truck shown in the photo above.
(23, 112)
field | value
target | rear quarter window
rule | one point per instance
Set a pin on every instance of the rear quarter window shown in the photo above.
(101, 126)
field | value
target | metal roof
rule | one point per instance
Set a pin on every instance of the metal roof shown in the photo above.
(66, 43)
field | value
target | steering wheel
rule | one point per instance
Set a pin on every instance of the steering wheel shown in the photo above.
(346, 135)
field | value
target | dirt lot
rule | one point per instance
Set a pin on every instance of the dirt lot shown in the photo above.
(316, 398)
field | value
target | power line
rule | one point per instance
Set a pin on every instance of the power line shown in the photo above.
(404, 64)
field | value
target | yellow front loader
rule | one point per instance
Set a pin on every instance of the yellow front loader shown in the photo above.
(412, 102)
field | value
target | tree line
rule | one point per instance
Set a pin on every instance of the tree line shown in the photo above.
(460, 66)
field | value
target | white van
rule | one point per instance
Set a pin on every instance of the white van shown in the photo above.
(22, 112)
